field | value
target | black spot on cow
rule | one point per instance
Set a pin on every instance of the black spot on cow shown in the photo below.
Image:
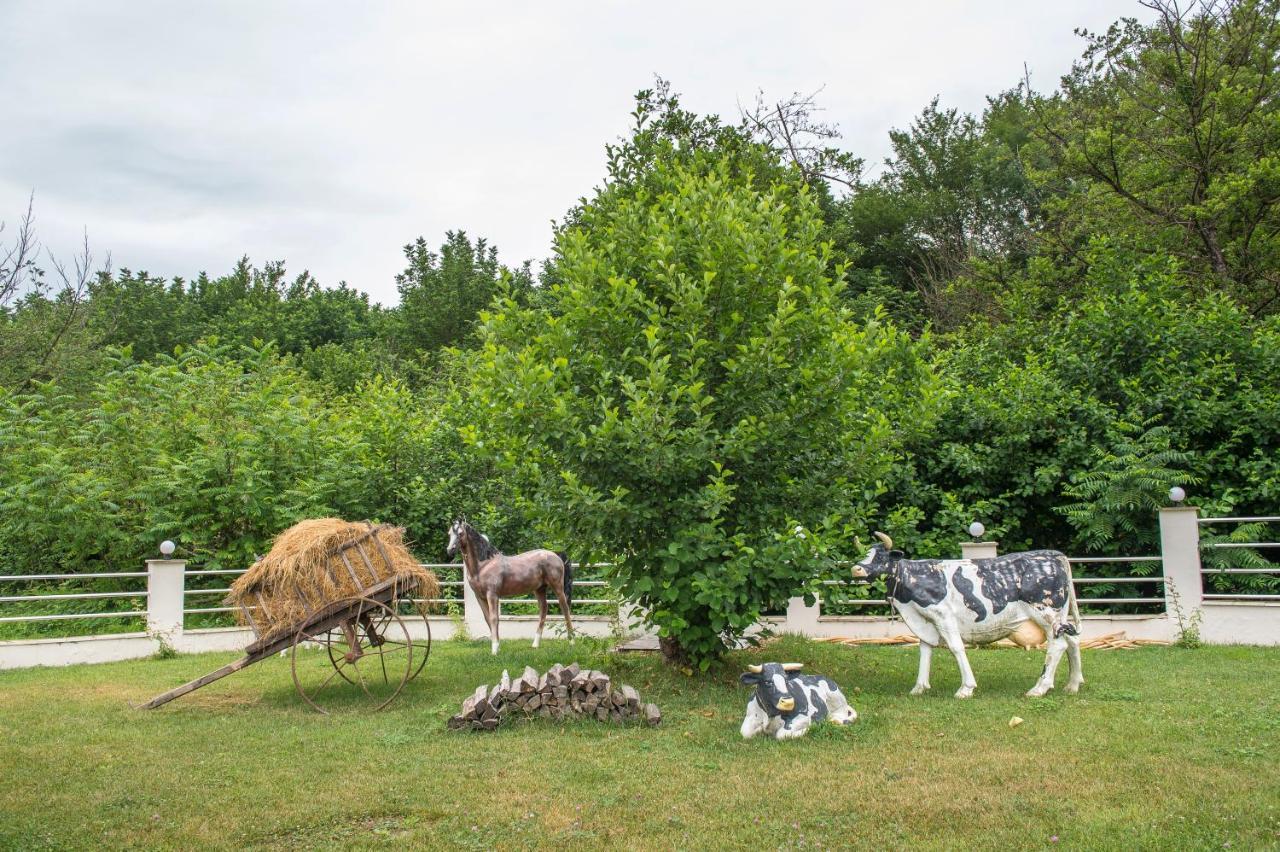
(916, 582)
(819, 706)
(965, 587)
(1036, 577)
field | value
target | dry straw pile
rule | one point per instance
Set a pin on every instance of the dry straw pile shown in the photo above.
(320, 562)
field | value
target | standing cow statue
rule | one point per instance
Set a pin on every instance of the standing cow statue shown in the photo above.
(785, 704)
(955, 601)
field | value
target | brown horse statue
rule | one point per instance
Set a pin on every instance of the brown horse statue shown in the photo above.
(493, 576)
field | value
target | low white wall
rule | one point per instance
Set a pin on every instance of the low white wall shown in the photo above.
(76, 649)
(1240, 623)
(133, 646)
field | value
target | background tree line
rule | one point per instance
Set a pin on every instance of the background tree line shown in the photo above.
(742, 352)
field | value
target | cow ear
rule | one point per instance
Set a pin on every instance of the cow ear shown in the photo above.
(749, 678)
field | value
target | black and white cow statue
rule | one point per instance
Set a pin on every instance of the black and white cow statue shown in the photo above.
(785, 704)
(953, 601)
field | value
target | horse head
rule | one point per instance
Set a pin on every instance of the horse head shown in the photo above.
(457, 531)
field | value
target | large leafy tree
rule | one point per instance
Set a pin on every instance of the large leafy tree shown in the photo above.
(442, 293)
(1167, 133)
(697, 403)
(950, 217)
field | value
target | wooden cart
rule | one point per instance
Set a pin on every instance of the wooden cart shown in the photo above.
(356, 649)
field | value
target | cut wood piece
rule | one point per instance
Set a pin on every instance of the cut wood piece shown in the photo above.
(489, 724)
(632, 696)
(602, 712)
(505, 681)
(651, 714)
(530, 679)
(572, 670)
(469, 705)
(561, 693)
(534, 703)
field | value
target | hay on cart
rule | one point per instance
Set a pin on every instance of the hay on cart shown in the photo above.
(320, 562)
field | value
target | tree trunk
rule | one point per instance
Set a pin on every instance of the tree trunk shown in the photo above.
(673, 652)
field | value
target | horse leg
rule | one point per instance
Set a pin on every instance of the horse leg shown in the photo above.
(564, 608)
(541, 594)
(493, 619)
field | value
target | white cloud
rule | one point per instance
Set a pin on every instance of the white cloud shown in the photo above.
(329, 135)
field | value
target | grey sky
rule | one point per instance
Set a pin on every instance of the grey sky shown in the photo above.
(184, 135)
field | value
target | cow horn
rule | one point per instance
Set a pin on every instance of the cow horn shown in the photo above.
(888, 542)
(792, 667)
(755, 669)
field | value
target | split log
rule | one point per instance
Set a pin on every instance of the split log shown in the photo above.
(469, 705)
(651, 714)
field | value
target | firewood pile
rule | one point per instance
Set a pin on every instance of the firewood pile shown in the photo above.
(563, 692)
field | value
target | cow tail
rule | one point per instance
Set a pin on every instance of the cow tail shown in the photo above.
(568, 577)
(1071, 595)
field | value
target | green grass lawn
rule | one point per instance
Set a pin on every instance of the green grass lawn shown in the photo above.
(1164, 748)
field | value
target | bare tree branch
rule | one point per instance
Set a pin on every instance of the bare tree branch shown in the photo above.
(17, 260)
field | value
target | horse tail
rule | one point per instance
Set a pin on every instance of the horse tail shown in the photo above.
(568, 576)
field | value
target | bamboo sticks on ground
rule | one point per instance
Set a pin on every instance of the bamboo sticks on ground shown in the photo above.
(562, 692)
(1109, 642)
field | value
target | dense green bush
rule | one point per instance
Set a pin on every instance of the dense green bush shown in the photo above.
(698, 404)
(1068, 429)
(219, 449)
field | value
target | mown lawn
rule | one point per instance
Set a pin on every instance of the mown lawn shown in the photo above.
(1165, 748)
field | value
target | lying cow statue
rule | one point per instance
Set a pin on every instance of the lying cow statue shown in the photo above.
(786, 704)
(1025, 595)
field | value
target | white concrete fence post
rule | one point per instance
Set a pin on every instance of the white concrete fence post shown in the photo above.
(165, 586)
(978, 549)
(1180, 550)
(803, 619)
(472, 613)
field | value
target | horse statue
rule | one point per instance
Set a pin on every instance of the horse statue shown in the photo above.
(493, 576)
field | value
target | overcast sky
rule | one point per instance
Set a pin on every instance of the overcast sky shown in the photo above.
(184, 135)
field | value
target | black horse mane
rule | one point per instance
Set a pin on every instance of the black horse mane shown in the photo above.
(482, 547)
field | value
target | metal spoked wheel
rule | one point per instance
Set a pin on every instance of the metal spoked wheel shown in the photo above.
(379, 623)
(368, 659)
(421, 646)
